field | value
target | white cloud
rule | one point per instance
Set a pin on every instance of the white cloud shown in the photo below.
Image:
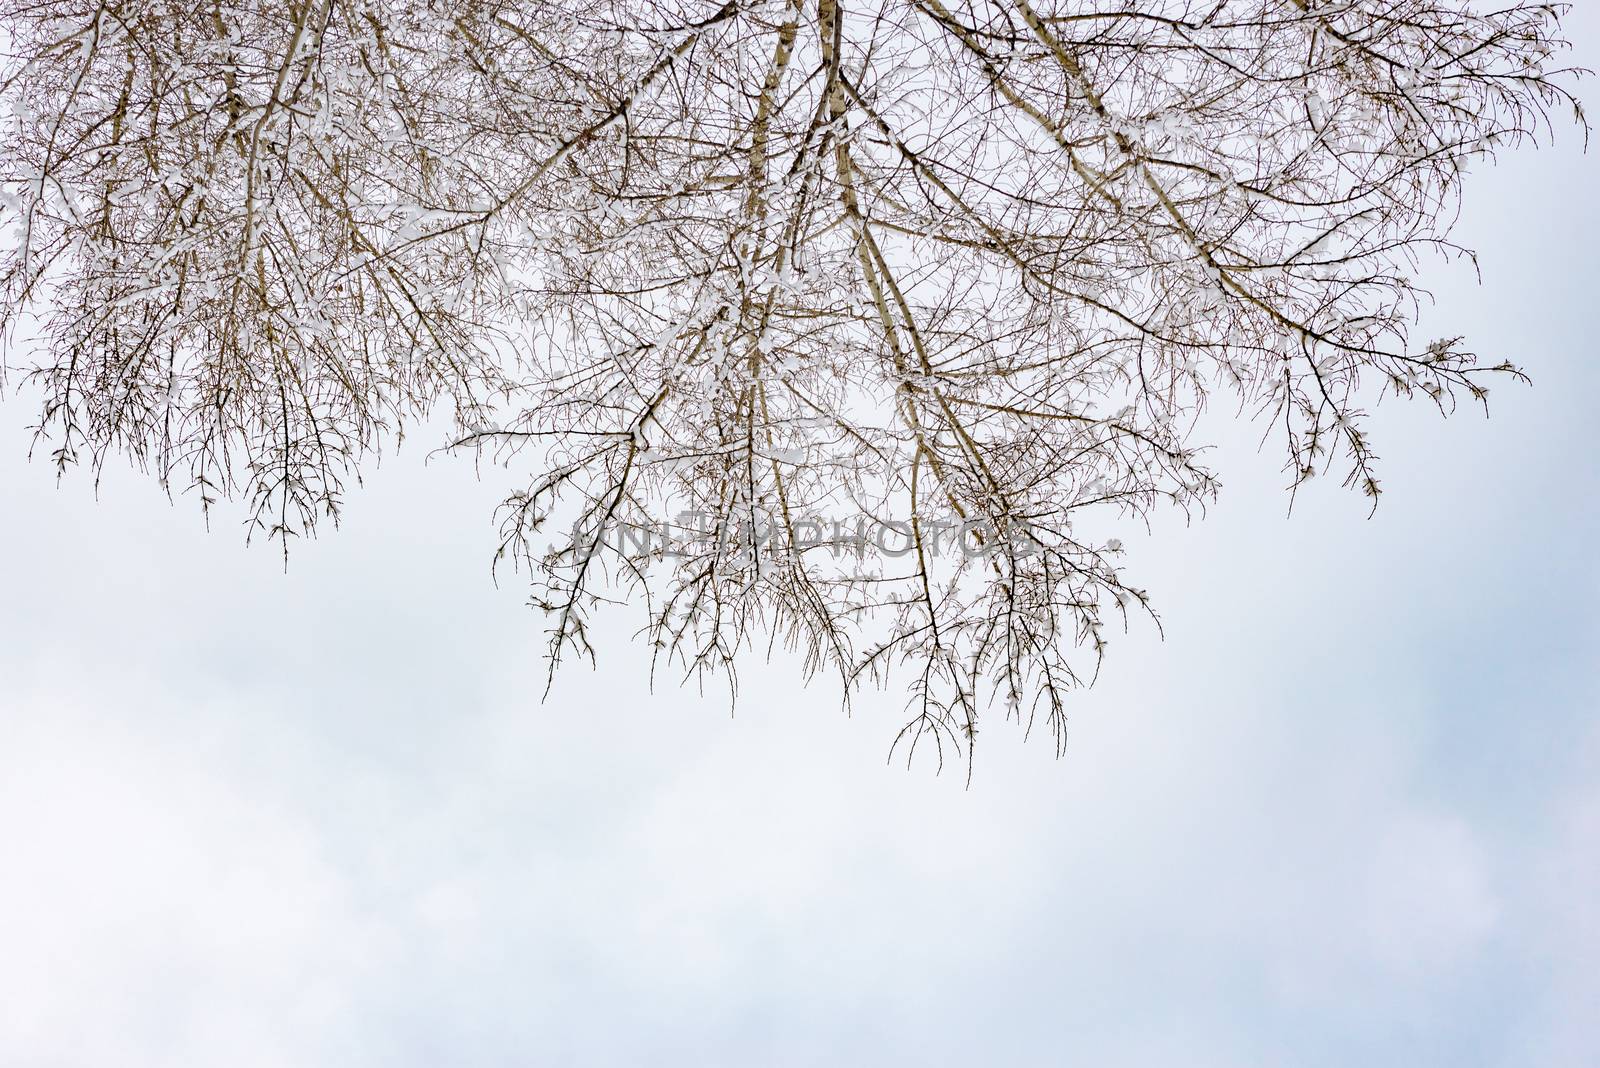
(156, 912)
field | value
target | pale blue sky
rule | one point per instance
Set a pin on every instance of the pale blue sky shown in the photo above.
(1347, 813)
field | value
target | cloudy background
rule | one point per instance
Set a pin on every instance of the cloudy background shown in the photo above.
(1348, 812)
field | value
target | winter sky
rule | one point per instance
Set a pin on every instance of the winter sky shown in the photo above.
(1348, 812)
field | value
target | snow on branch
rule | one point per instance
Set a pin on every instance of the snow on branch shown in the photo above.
(777, 264)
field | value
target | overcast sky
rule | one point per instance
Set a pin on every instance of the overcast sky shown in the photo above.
(1348, 812)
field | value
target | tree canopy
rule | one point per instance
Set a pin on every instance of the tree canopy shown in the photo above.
(966, 271)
